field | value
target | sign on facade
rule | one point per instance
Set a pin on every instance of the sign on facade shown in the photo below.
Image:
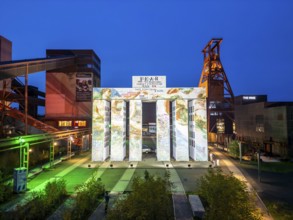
(84, 87)
(149, 82)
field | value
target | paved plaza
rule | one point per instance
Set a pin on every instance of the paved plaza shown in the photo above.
(117, 178)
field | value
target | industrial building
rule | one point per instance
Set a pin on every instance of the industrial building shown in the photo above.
(69, 105)
(265, 125)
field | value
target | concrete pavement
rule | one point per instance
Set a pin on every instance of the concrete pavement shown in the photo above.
(182, 209)
(118, 190)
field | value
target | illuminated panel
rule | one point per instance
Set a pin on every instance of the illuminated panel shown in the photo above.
(135, 130)
(118, 134)
(198, 143)
(148, 94)
(100, 130)
(220, 125)
(180, 130)
(64, 123)
(163, 130)
(79, 123)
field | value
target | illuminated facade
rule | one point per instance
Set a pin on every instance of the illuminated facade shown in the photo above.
(69, 90)
(188, 118)
(220, 97)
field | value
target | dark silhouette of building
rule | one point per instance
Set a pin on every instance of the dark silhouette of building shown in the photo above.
(5, 49)
(265, 125)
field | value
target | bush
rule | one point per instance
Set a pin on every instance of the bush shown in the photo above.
(43, 203)
(88, 196)
(234, 149)
(150, 199)
(5, 190)
(225, 197)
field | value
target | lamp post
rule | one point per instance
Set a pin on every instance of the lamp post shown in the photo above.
(69, 144)
(258, 165)
(240, 152)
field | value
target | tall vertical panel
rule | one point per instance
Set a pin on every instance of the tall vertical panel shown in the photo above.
(135, 130)
(200, 130)
(100, 130)
(180, 126)
(124, 128)
(173, 130)
(191, 132)
(163, 130)
(107, 130)
(117, 130)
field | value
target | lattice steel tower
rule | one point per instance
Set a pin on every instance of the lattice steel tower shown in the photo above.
(220, 97)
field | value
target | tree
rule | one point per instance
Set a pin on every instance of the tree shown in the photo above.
(88, 196)
(150, 199)
(5, 190)
(225, 197)
(234, 149)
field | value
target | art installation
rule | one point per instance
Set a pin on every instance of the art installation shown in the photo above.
(189, 123)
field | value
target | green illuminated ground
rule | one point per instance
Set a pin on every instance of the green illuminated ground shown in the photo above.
(111, 176)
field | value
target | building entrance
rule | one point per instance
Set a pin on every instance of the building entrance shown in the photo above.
(149, 128)
(187, 130)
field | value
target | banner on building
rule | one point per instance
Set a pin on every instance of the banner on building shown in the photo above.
(84, 87)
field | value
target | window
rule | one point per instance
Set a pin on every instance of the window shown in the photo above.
(79, 123)
(220, 125)
(259, 123)
(64, 123)
(291, 116)
(280, 117)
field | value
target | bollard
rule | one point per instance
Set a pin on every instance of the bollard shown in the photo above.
(217, 162)
(211, 156)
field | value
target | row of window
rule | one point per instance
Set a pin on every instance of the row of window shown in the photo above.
(70, 123)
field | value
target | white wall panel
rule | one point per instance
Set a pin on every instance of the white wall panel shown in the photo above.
(180, 126)
(100, 130)
(135, 130)
(200, 130)
(163, 130)
(117, 130)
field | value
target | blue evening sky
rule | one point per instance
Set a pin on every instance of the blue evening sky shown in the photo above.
(162, 37)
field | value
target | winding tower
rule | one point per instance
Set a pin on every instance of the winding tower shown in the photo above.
(220, 97)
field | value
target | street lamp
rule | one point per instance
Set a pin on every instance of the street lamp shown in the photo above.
(69, 145)
(258, 165)
(240, 151)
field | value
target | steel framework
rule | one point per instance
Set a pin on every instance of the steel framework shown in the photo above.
(220, 97)
(23, 143)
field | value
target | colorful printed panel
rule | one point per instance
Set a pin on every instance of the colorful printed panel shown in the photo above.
(100, 130)
(135, 130)
(163, 130)
(148, 94)
(180, 121)
(118, 131)
(200, 130)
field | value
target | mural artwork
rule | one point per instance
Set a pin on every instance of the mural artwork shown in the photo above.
(189, 129)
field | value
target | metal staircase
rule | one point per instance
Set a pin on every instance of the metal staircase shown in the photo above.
(14, 113)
